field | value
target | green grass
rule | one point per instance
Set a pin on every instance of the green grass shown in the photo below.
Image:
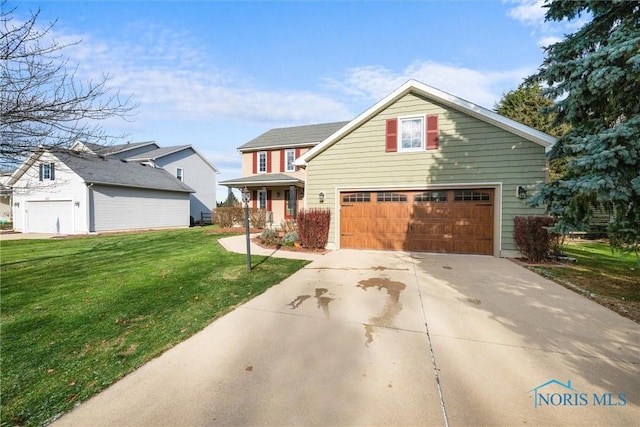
(78, 314)
(609, 278)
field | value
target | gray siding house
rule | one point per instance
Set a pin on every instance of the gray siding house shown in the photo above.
(424, 170)
(182, 161)
(77, 192)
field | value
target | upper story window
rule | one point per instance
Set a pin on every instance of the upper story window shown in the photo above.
(180, 174)
(290, 157)
(262, 162)
(47, 172)
(411, 134)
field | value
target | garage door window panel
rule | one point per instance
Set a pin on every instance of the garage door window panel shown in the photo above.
(357, 198)
(470, 195)
(431, 196)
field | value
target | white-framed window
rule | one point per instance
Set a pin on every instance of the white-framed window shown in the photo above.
(262, 199)
(180, 174)
(262, 162)
(290, 157)
(411, 134)
(47, 172)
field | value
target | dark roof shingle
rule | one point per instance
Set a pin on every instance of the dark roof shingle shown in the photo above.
(110, 171)
(293, 136)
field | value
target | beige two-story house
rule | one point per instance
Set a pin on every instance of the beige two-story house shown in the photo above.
(268, 170)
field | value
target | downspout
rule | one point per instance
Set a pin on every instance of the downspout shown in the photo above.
(88, 208)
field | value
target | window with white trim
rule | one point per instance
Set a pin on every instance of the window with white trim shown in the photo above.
(262, 162)
(262, 199)
(47, 172)
(411, 134)
(290, 157)
(180, 174)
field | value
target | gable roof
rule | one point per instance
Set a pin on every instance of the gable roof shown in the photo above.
(165, 151)
(113, 149)
(110, 171)
(292, 136)
(441, 97)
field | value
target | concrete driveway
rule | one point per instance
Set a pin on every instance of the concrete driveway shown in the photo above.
(390, 338)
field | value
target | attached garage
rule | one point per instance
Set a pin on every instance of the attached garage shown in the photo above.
(453, 221)
(49, 216)
(423, 170)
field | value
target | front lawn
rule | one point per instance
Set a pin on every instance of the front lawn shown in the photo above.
(78, 314)
(611, 279)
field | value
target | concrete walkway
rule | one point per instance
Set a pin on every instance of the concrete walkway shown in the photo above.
(392, 338)
(30, 236)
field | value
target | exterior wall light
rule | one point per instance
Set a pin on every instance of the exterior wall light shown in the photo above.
(521, 192)
(321, 197)
(77, 204)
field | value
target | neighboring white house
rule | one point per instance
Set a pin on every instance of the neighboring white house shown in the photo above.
(92, 188)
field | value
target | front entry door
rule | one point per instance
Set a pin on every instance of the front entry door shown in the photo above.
(289, 205)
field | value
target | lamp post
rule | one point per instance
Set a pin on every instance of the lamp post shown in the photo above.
(246, 197)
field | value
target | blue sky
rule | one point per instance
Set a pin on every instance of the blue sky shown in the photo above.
(216, 74)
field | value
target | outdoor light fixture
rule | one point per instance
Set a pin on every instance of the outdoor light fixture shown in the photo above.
(16, 204)
(246, 198)
(321, 197)
(521, 192)
(77, 204)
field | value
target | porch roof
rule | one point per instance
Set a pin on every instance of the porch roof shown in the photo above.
(270, 179)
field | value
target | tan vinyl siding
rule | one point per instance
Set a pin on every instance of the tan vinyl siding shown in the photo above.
(470, 150)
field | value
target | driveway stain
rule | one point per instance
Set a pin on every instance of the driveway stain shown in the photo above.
(322, 300)
(392, 306)
(298, 301)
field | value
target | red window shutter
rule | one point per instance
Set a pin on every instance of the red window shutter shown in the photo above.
(297, 155)
(255, 162)
(432, 132)
(254, 196)
(268, 161)
(268, 200)
(391, 144)
(282, 161)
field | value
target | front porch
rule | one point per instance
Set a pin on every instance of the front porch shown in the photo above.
(280, 195)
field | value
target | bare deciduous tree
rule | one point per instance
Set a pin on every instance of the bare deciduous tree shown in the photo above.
(42, 101)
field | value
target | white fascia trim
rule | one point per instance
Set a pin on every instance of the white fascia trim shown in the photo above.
(278, 147)
(444, 98)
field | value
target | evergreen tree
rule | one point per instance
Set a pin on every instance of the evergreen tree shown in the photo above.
(530, 106)
(594, 74)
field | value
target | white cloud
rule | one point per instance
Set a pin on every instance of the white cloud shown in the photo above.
(170, 79)
(484, 88)
(529, 12)
(532, 14)
(548, 41)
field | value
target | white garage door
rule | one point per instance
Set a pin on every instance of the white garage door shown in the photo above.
(51, 216)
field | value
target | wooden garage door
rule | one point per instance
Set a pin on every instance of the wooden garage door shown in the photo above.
(451, 221)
